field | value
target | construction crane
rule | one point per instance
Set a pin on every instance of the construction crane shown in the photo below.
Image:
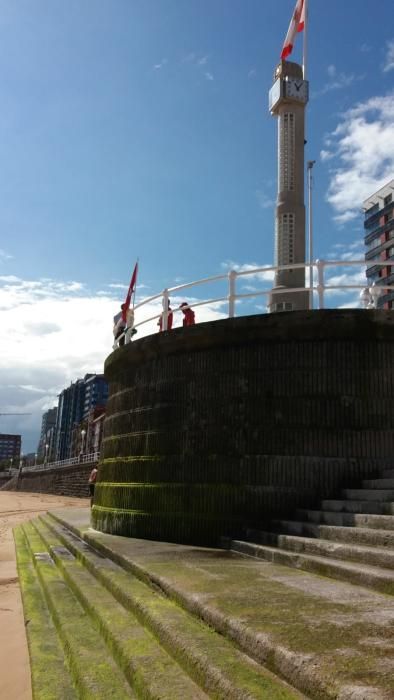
(15, 414)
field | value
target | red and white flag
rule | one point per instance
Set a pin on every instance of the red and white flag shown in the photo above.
(132, 286)
(296, 25)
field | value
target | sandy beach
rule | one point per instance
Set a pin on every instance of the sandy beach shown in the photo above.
(16, 507)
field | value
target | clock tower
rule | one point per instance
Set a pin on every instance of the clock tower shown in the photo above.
(287, 100)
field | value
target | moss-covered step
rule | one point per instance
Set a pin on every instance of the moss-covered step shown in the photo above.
(336, 533)
(151, 671)
(94, 672)
(50, 676)
(378, 578)
(377, 556)
(214, 662)
(329, 638)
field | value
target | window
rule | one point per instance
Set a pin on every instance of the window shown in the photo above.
(287, 152)
(286, 239)
(374, 243)
(371, 211)
(387, 200)
(284, 306)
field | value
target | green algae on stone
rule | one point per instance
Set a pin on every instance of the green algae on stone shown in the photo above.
(50, 676)
(95, 675)
(213, 661)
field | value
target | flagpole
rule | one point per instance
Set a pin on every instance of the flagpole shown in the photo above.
(305, 43)
(135, 286)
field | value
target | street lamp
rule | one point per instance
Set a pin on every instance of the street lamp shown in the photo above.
(11, 462)
(83, 433)
(46, 453)
(35, 459)
(309, 166)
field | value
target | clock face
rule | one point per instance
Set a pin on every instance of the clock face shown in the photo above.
(297, 89)
(275, 93)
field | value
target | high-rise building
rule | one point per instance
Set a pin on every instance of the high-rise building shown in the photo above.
(69, 411)
(10, 446)
(379, 241)
(76, 402)
(48, 424)
(287, 100)
(96, 393)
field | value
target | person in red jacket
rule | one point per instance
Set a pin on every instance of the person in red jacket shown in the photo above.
(188, 314)
(169, 319)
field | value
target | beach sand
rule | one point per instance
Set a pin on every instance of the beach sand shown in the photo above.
(15, 508)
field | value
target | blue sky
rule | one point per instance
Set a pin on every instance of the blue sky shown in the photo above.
(141, 129)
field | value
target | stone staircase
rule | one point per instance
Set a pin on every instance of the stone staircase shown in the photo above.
(350, 538)
(116, 617)
(97, 631)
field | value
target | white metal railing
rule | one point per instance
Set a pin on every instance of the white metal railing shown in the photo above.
(81, 459)
(318, 284)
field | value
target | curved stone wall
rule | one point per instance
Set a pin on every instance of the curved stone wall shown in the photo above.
(228, 424)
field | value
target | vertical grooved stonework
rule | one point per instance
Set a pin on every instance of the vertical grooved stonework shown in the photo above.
(228, 424)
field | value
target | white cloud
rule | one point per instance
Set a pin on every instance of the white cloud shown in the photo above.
(264, 200)
(53, 332)
(160, 65)
(325, 155)
(337, 81)
(203, 61)
(348, 251)
(4, 255)
(389, 61)
(249, 267)
(363, 146)
(252, 73)
(209, 76)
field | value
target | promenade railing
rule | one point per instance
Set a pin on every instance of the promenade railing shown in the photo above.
(80, 459)
(320, 287)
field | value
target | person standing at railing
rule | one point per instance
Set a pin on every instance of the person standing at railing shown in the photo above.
(188, 315)
(169, 319)
(119, 325)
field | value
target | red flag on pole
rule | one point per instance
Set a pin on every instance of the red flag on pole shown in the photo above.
(132, 287)
(296, 25)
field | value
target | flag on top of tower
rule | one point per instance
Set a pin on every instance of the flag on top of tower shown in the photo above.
(296, 25)
(132, 288)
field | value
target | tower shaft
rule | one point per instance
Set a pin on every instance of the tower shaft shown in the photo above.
(289, 96)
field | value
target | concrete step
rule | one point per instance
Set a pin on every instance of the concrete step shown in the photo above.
(365, 520)
(368, 494)
(49, 680)
(149, 669)
(381, 483)
(212, 661)
(371, 555)
(330, 638)
(377, 578)
(94, 672)
(348, 506)
(351, 535)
